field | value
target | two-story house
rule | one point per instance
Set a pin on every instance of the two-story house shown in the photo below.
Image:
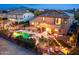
(20, 16)
(52, 20)
(17, 15)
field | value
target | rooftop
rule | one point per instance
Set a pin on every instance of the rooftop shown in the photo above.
(13, 11)
(55, 13)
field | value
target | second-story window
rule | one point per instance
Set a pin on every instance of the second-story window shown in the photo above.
(58, 21)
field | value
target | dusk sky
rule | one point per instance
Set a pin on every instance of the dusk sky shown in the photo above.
(41, 6)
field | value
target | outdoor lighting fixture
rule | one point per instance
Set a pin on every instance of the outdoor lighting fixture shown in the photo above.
(38, 26)
(65, 51)
(36, 23)
(56, 30)
(36, 42)
(32, 23)
(65, 22)
(55, 34)
(48, 30)
(12, 20)
(43, 18)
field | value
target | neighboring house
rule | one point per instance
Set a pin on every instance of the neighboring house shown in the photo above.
(20, 16)
(3, 14)
(17, 15)
(71, 19)
(54, 19)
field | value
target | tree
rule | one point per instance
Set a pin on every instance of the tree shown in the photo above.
(51, 43)
(0, 18)
(37, 12)
(72, 40)
(42, 39)
(75, 51)
(76, 14)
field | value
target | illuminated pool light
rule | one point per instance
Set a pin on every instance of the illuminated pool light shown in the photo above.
(22, 34)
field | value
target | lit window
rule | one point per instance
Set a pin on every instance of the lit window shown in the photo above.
(43, 18)
(12, 19)
(58, 21)
(65, 21)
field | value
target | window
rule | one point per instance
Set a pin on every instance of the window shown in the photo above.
(65, 21)
(24, 16)
(28, 16)
(58, 21)
(43, 18)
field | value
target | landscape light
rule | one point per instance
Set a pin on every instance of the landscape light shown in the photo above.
(55, 34)
(65, 51)
(38, 26)
(56, 30)
(32, 23)
(43, 18)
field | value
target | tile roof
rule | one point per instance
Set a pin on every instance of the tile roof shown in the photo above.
(55, 14)
(17, 12)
